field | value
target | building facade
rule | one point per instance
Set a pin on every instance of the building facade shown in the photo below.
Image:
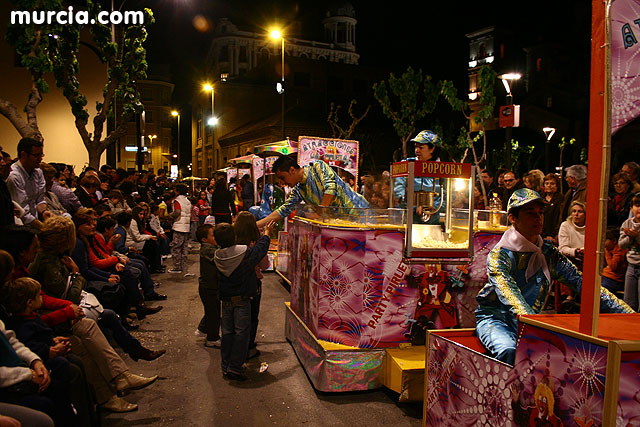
(156, 129)
(243, 68)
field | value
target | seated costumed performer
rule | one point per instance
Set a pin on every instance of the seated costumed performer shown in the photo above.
(520, 269)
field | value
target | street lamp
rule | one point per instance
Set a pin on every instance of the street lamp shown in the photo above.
(209, 88)
(174, 113)
(275, 34)
(548, 132)
(507, 81)
(213, 120)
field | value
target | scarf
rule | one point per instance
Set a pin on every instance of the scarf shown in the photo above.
(514, 241)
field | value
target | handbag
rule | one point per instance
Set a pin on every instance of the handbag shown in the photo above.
(88, 302)
(90, 305)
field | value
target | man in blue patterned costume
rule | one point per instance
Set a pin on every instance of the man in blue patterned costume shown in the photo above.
(427, 145)
(520, 269)
(315, 184)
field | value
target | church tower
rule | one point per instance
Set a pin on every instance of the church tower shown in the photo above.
(340, 27)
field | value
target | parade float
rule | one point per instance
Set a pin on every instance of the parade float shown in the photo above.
(569, 369)
(368, 283)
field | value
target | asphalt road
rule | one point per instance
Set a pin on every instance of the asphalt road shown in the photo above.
(192, 392)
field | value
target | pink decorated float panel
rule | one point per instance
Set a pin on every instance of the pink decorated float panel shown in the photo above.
(558, 378)
(351, 286)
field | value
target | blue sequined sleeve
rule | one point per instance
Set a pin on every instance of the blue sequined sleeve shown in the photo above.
(502, 282)
(566, 273)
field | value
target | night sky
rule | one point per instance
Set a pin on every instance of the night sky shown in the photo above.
(391, 35)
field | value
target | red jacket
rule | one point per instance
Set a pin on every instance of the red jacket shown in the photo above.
(100, 253)
(62, 310)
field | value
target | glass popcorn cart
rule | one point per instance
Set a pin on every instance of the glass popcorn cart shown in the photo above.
(438, 198)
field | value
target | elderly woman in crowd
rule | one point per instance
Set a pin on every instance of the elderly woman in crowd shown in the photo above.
(571, 234)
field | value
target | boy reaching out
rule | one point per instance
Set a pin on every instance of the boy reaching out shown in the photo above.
(237, 283)
(208, 287)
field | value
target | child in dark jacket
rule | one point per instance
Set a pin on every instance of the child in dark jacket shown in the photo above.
(208, 287)
(237, 283)
(22, 298)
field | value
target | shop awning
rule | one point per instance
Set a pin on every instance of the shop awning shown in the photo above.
(242, 160)
(277, 148)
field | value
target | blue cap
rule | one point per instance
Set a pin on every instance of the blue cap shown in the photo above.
(427, 137)
(523, 196)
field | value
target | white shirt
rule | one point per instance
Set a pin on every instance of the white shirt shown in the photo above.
(27, 189)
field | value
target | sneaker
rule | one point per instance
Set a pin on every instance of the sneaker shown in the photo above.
(215, 343)
(198, 333)
(174, 271)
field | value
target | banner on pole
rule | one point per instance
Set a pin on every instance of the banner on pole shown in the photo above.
(625, 62)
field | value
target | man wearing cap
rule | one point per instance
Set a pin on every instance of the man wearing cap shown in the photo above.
(520, 269)
(427, 149)
(315, 184)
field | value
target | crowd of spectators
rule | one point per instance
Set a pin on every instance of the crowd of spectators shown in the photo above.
(565, 217)
(78, 259)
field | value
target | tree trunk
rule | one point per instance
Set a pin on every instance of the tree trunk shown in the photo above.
(94, 156)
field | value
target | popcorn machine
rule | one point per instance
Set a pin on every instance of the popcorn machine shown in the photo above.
(443, 189)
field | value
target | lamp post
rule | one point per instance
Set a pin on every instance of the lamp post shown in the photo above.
(548, 132)
(275, 34)
(213, 120)
(507, 81)
(209, 88)
(174, 113)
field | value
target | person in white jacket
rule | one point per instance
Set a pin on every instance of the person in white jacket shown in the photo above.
(571, 234)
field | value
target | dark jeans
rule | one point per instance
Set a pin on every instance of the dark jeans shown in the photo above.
(130, 277)
(612, 285)
(55, 401)
(220, 218)
(151, 251)
(81, 394)
(236, 322)
(164, 245)
(210, 323)
(110, 321)
(255, 312)
(146, 282)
